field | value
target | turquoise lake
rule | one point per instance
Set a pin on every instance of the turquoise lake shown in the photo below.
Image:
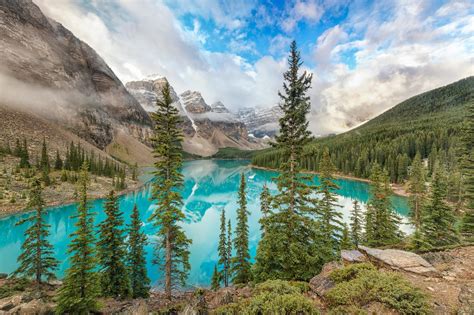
(210, 187)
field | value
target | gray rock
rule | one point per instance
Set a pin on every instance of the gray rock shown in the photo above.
(321, 283)
(353, 256)
(400, 260)
(466, 297)
(10, 303)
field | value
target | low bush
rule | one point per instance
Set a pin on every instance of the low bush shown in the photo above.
(13, 287)
(361, 284)
(273, 297)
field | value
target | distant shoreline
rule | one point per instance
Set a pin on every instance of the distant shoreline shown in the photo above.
(396, 189)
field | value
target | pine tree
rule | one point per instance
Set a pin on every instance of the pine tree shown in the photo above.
(24, 156)
(135, 172)
(139, 281)
(381, 221)
(288, 249)
(356, 224)
(417, 191)
(345, 239)
(467, 163)
(167, 182)
(18, 149)
(80, 289)
(58, 163)
(224, 261)
(241, 262)
(438, 228)
(229, 246)
(36, 259)
(331, 225)
(215, 281)
(111, 251)
(265, 205)
(44, 162)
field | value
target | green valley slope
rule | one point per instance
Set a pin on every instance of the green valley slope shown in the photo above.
(429, 123)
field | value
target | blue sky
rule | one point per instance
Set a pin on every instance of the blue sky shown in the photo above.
(365, 56)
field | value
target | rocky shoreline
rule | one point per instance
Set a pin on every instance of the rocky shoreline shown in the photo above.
(445, 277)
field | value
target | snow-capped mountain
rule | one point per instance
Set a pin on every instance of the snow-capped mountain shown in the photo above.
(261, 122)
(206, 128)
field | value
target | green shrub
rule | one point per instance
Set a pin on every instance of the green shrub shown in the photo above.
(360, 285)
(13, 287)
(273, 297)
(350, 272)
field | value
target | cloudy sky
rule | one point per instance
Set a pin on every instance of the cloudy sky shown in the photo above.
(366, 56)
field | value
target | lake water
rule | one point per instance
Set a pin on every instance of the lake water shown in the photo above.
(210, 187)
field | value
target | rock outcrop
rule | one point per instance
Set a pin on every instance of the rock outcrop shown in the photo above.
(194, 103)
(399, 260)
(322, 283)
(45, 69)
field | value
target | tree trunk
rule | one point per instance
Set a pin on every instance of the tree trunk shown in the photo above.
(168, 266)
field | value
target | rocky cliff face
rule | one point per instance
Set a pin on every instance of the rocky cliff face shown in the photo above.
(261, 122)
(45, 69)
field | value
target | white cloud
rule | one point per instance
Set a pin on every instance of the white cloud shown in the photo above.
(409, 53)
(138, 43)
(401, 49)
(307, 10)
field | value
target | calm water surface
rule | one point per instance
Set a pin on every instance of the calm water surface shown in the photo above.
(210, 187)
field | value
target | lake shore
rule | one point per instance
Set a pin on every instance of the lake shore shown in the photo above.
(397, 189)
(63, 194)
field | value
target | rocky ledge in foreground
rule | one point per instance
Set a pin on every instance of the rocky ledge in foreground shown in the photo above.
(392, 258)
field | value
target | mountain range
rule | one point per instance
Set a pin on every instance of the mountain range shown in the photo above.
(49, 76)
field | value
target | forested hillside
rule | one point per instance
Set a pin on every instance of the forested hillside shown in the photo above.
(429, 123)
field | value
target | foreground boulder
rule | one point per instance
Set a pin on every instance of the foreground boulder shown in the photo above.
(399, 260)
(353, 256)
(322, 283)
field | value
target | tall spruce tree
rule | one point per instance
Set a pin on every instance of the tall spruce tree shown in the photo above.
(58, 163)
(229, 246)
(356, 224)
(24, 155)
(44, 162)
(139, 281)
(241, 267)
(168, 180)
(215, 280)
(331, 225)
(345, 239)
(224, 259)
(265, 204)
(467, 162)
(80, 289)
(111, 251)
(417, 189)
(438, 228)
(37, 257)
(288, 250)
(382, 222)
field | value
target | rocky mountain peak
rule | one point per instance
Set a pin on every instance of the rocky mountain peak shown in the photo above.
(194, 102)
(147, 91)
(219, 107)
